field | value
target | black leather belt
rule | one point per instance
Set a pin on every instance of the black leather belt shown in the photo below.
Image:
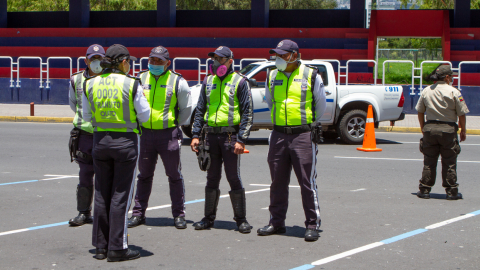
(293, 129)
(441, 122)
(217, 130)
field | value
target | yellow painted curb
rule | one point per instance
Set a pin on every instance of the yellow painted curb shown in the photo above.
(36, 119)
(30, 118)
(418, 130)
(7, 118)
(59, 119)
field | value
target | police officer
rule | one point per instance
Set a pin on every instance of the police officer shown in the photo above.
(296, 97)
(117, 107)
(81, 141)
(443, 105)
(171, 105)
(225, 115)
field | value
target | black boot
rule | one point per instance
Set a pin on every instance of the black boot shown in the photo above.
(211, 202)
(84, 206)
(240, 210)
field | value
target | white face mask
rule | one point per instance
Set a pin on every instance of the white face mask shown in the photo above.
(128, 70)
(95, 66)
(451, 83)
(282, 64)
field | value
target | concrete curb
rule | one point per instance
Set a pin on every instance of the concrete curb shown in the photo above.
(417, 130)
(36, 119)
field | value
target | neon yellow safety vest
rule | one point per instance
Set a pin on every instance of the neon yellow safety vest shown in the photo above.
(162, 98)
(222, 102)
(78, 121)
(292, 98)
(111, 99)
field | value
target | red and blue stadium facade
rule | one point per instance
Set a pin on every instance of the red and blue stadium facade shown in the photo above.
(459, 44)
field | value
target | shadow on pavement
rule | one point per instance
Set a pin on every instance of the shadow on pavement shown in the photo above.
(438, 196)
(143, 252)
(162, 222)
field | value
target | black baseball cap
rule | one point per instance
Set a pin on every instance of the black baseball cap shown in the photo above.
(222, 51)
(95, 49)
(285, 46)
(160, 52)
(444, 70)
(118, 53)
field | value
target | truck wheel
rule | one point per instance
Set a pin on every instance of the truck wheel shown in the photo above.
(351, 126)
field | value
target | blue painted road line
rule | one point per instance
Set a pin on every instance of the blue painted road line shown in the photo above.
(48, 226)
(384, 242)
(303, 267)
(21, 182)
(475, 213)
(261, 110)
(195, 201)
(403, 236)
(66, 222)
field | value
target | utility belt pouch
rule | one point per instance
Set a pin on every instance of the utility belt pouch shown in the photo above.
(317, 133)
(73, 143)
(203, 154)
(84, 156)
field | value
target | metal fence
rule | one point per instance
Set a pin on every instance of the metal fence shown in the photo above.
(410, 54)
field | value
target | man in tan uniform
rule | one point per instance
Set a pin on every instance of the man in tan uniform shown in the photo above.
(443, 104)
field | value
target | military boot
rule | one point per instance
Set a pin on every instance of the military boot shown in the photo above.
(84, 206)
(240, 210)
(211, 202)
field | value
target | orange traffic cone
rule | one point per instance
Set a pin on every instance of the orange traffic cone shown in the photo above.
(369, 142)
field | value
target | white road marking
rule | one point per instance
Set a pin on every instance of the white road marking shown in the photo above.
(461, 144)
(360, 189)
(407, 159)
(443, 223)
(347, 253)
(265, 185)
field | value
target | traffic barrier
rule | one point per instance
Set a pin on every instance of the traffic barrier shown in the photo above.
(369, 141)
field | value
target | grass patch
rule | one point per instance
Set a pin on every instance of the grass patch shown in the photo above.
(401, 73)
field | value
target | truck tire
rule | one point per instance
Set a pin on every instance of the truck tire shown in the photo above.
(351, 126)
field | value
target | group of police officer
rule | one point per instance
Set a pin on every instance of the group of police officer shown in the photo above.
(113, 109)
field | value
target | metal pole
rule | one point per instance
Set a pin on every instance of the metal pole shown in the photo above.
(32, 109)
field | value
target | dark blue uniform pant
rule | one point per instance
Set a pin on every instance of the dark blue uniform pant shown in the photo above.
(115, 161)
(85, 175)
(297, 151)
(166, 143)
(221, 151)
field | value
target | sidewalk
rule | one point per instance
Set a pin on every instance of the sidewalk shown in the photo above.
(63, 114)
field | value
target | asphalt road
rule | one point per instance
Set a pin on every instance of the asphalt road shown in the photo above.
(367, 201)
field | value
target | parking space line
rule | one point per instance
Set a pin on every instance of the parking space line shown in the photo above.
(407, 159)
(384, 242)
(21, 182)
(45, 179)
(266, 185)
(150, 208)
(461, 144)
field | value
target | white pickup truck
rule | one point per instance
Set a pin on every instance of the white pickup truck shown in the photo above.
(346, 104)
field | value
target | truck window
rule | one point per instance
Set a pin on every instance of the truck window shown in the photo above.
(322, 71)
(261, 77)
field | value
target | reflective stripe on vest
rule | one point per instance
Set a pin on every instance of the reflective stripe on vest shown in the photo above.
(292, 98)
(78, 121)
(162, 99)
(111, 100)
(222, 101)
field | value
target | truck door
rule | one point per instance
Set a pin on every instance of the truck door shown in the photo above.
(260, 108)
(330, 92)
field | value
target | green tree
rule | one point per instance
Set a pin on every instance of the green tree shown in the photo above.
(437, 4)
(97, 5)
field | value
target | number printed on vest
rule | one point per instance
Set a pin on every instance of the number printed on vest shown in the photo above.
(107, 93)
